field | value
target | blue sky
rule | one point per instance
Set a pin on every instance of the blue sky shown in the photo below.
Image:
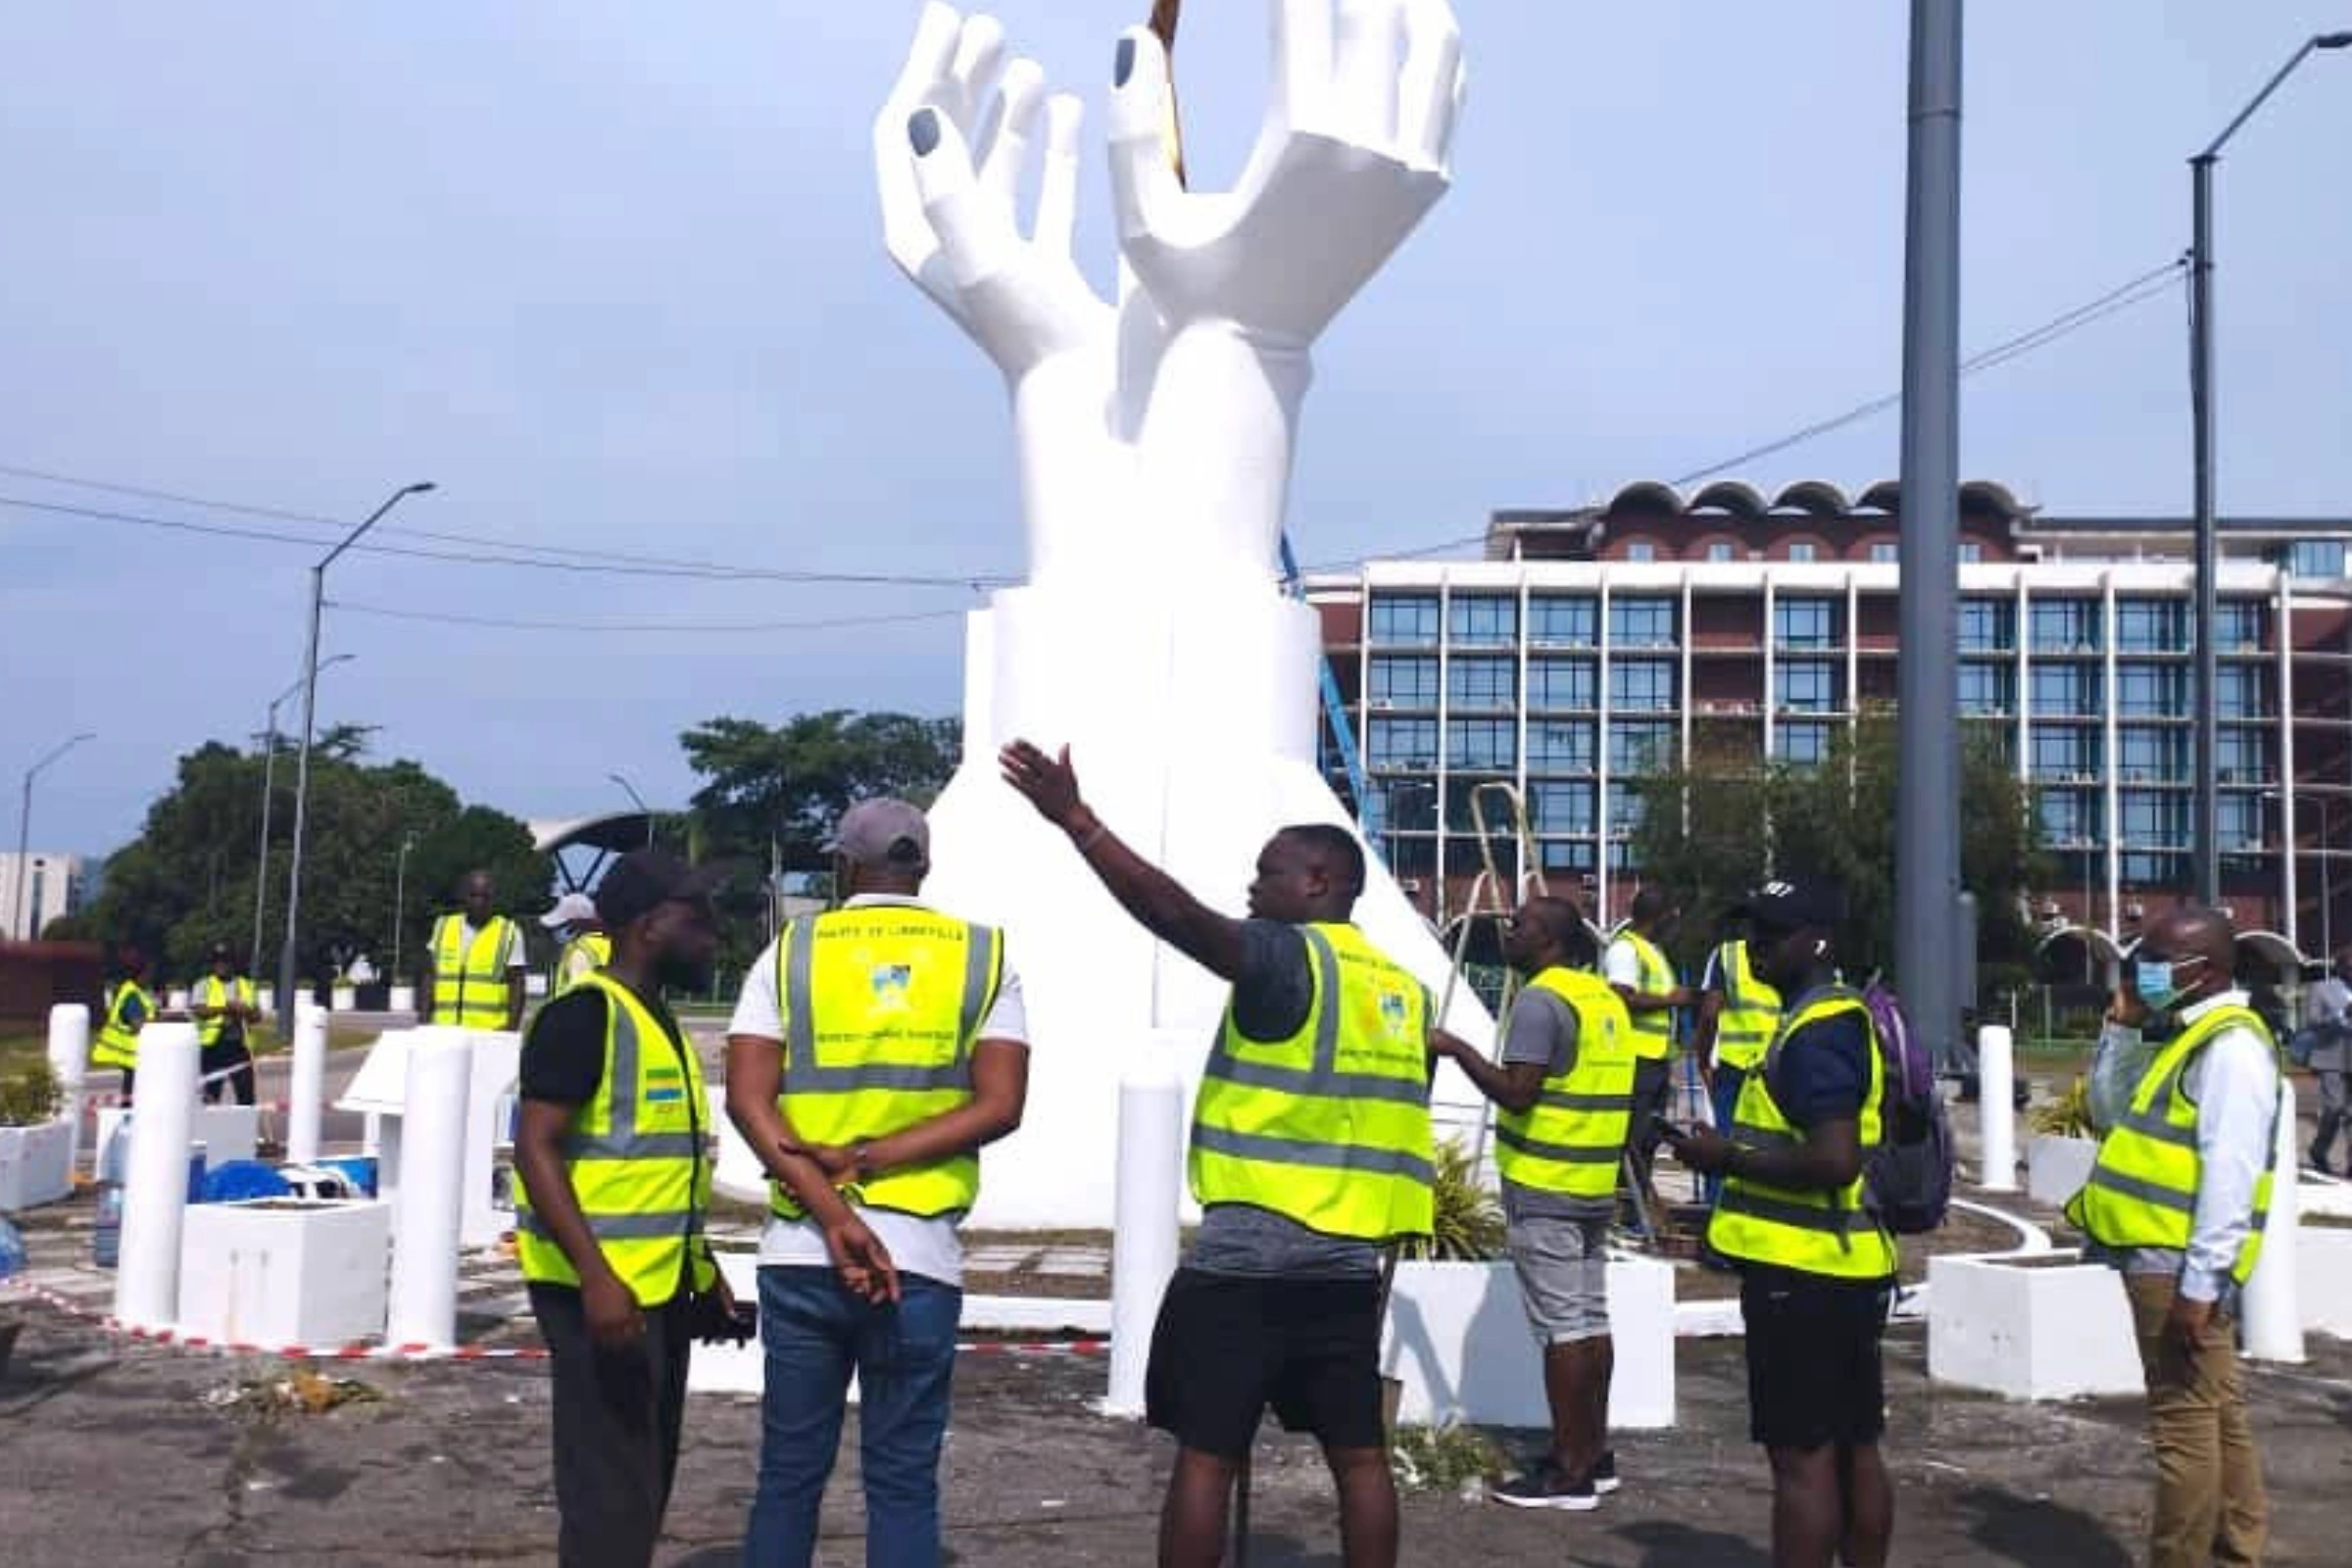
(611, 274)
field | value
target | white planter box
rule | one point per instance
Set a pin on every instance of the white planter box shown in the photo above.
(35, 1164)
(227, 1132)
(278, 1272)
(404, 999)
(2057, 1167)
(2324, 1278)
(1457, 1339)
(345, 999)
(2030, 1329)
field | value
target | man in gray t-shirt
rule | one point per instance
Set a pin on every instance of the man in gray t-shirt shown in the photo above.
(2327, 1014)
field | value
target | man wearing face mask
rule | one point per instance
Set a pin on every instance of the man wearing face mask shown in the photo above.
(2175, 1200)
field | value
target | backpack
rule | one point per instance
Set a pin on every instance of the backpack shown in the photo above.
(1910, 1173)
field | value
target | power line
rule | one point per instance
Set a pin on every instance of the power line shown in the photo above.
(714, 628)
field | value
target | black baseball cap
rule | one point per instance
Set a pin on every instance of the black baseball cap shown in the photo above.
(642, 879)
(1794, 902)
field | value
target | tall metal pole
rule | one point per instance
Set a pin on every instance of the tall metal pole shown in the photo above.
(639, 799)
(261, 861)
(1928, 909)
(15, 914)
(286, 1010)
(400, 898)
(2202, 427)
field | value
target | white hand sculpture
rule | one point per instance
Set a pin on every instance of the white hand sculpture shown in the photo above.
(950, 225)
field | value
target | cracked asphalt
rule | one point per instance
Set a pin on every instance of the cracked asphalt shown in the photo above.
(110, 1453)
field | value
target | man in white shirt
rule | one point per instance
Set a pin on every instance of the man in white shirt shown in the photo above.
(875, 1051)
(2176, 1202)
(2327, 1014)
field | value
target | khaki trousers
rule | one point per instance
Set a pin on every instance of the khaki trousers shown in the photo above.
(2209, 1505)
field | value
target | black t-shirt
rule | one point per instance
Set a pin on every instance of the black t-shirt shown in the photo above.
(563, 1050)
(1276, 987)
(1823, 1073)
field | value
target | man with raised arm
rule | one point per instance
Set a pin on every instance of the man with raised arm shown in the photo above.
(1311, 1149)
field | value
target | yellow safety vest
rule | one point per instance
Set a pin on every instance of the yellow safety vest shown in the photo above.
(1751, 1010)
(1330, 1127)
(581, 957)
(1834, 1234)
(469, 979)
(215, 991)
(638, 1162)
(1570, 1140)
(882, 1004)
(2142, 1190)
(118, 1043)
(1653, 1032)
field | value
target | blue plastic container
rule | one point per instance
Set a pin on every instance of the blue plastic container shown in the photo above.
(359, 1169)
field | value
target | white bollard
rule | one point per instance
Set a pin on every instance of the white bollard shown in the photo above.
(69, 1060)
(155, 1184)
(2272, 1311)
(1143, 1244)
(421, 1309)
(1997, 1109)
(305, 1094)
(403, 999)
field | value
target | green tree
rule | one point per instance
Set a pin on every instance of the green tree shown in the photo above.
(1713, 825)
(787, 783)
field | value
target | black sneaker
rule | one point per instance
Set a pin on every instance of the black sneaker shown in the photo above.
(1604, 1473)
(1546, 1487)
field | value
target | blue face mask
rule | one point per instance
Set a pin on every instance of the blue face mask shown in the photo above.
(2158, 982)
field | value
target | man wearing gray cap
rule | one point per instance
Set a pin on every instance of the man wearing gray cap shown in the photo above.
(875, 1050)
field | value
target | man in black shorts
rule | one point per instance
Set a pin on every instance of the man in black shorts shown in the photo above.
(1817, 1268)
(1310, 1148)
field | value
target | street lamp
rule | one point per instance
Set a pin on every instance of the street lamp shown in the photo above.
(16, 915)
(301, 770)
(400, 898)
(2203, 425)
(641, 806)
(261, 869)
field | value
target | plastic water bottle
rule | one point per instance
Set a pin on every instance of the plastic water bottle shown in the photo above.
(11, 1250)
(106, 1240)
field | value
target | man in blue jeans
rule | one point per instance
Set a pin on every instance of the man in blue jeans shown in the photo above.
(875, 1051)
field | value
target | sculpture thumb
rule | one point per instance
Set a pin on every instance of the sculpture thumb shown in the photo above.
(1143, 182)
(974, 247)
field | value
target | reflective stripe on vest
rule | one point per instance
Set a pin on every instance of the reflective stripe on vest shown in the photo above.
(1826, 1233)
(637, 1159)
(1571, 1140)
(581, 957)
(1751, 1012)
(215, 991)
(117, 1042)
(2142, 1190)
(882, 1004)
(470, 978)
(1329, 1127)
(1653, 1032)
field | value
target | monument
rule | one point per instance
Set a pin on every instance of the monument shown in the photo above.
(1156, 432)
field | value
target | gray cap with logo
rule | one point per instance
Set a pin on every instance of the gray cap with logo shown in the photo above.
(880, 833)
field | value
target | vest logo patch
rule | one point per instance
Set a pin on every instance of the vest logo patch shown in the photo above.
(658, 1095)
(1393, 1011)
(890, 982)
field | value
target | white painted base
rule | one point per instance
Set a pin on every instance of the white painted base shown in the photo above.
(227, 1132)
(36, 1164)
(2324, 1195)
(1457, 1337)
(2057, 1167)
(2045, 1331)
(271, 1273)
(403, 999)
(2323, 1258)
(344, 998)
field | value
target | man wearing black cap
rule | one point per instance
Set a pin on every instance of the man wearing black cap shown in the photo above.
(1817, 1267)
(613, 1182)
(224, 1006)
(877, 1048)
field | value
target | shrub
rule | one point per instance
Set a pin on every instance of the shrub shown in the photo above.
(29, 1096)
(1468, 1224)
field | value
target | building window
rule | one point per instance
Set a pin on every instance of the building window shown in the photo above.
(1482, 620)
(1403, 743)
(1556, 622)
(1641, 550)
(2066, 626)
(2241, 756)
(1483, 683)
(1987, 691)
(2072, 689)
(1804, 623)
(2065, 751)
(2240, 821)
(2069, 816)
(2150, 820)
(1885, 552)
(2150, 691)
(1565, 856)
(2237, 626)
(2239, 695)
(2316, 558)
(1987, 626)
(1404, 621)
(1971, 551)
(1399, 683)
(1641, 746)
(1560, 807)
(1403, 806)
(1483, 744)
(1719, 550)
(1555, 683)
(2151, 627)
(2143, 870)
(1802, 550)
(1803, 744)
(1625, 813)
(1641, 622)
(1642, 685)
(1555, 747)
(2147, 755)
(1805, 686)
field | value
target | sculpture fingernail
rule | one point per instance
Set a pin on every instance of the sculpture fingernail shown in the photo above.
(923, 131)
(1122, 64)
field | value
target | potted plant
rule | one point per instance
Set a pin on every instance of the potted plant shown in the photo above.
(36, 1142)
(2061, 1146)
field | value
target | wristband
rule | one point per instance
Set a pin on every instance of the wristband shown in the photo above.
(1092, 836)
